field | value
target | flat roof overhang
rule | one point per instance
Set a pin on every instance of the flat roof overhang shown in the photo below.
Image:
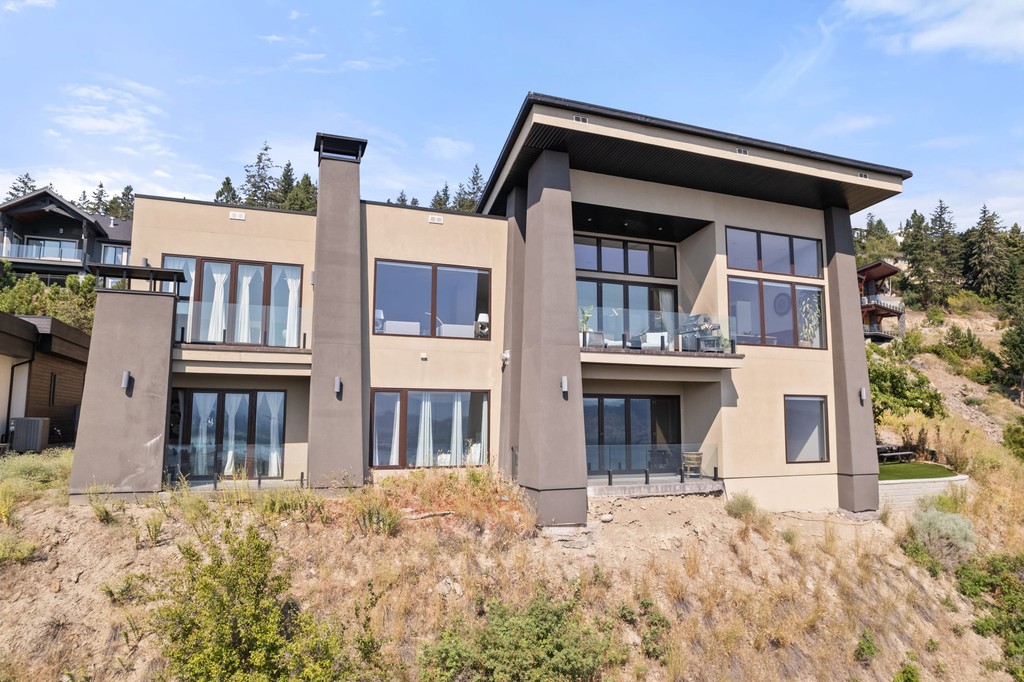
(613, 142)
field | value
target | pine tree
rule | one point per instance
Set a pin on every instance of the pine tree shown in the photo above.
(875, 242)
(919, 248)
(285, 184)
(1011, 349)
(442, 199)
(414, 202)
(1012, 290)
(22, 185)
(950, 246)
(303, 196)
(99, 200)
(260, 186)
(123, 205)
(985, 261)
(226, 194)
(402, 200)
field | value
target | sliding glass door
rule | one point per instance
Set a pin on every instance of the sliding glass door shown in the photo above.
(232, 433)
(630, 434)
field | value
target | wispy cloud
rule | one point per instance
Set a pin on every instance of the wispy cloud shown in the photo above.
(161, 174)
(308, 57)
(989, 28)
(845, 124)
(797, 63)
(296, 14)
(446, 149)
(377, 8)
(272, 38)
(18, 5)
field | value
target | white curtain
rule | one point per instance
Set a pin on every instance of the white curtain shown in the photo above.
(481, 454)
(204, 405)
(293, 277)
(458, 437)
(666, 300)
(275, 403)
(219, 304)
(425, 439)
(394, 433)
(232, 401)
(243, 320)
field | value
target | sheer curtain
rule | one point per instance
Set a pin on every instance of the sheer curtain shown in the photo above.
(666, 301)
(275, 403)
(425, 436)
(458, 437)
(243, 319)
(219, 304)
(204, 431)
(481, 453)
(232, 401)
(394, 433)
(293, 276)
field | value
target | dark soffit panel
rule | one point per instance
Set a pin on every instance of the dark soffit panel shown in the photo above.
(628, 223)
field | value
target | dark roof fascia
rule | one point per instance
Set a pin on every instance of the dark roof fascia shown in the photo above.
(16, 326)
(427, 209)
(52, 329)
(46, 191)
(243, 207)
(534, 98)
(137, 272)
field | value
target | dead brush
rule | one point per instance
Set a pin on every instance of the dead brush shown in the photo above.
(743, 506)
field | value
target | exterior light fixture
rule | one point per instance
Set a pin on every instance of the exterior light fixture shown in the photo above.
(126, 379)
(565, 384)
(337, 387)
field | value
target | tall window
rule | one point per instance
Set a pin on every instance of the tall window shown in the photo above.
(52, 249)
(776, 253)
(806, 429)
(227, 433)
(631, 433)
(614, 309)
(415, 299)
(114, 255)
(414, 428)
(237, 302)
(763, 312)
(626, 257)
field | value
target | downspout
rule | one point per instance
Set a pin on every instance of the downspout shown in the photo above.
(10, 385)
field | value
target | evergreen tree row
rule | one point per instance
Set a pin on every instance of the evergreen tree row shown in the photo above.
(467, 195)
(262, 188)
(100, 202)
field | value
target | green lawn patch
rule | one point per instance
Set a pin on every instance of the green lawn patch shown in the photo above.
(898, 471)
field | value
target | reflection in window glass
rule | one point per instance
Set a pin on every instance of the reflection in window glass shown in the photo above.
(586, 253)
(806, 257)
(462, 298)
(285, 289)
(183, 310)
(810, 320)
(745, 310)
(611, 256)
(806, 429)
(775, 253)
(213, 310)
(664, 258)
(249, 304)
(778, 314)
(446, 428)
(639, 258)
(741, 248)
(269, 433)
(402, 304)
(387, 408)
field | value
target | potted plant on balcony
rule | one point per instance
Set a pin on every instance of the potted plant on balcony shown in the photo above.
(586, 313)
(810, 319)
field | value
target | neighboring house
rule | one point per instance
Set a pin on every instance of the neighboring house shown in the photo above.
(44, 234)
(630, 290)
(877, 302)
(42, 373)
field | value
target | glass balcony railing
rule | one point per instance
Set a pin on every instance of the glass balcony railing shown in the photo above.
(888, 302)
(57, 251)
(630, 462)
(252, 325)
(220, 460)
(626, 328)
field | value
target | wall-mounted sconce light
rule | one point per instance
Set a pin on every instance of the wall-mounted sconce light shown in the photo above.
(506, 355)
(337, 387)
(863, 394)
(126, 379)
(565, 384)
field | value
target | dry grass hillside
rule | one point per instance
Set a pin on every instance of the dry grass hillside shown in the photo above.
(412, 574)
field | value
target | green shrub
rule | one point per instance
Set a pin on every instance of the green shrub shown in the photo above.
(375, 514)
(897, 388)
(866, 648)
(627, 614)
(948, 538)
(227, 618)
(741, 506)
(963, 342)
(964, 302)
(907, 346)
(1013, 437)
(934, 316)
(546, 640)
(941, 350)
(982, 372)
(132, 588)
(24, 477)
(908, 673)
(653, 636)
(14, 551)
(305, 505)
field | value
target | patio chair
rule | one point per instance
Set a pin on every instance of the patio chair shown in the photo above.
(692, 463)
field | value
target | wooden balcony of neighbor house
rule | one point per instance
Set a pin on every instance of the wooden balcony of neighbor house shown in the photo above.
(610, 335)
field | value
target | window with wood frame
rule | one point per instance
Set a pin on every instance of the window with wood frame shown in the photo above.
(766, 312)
(412, 428)
(426, 299)
(780, 254)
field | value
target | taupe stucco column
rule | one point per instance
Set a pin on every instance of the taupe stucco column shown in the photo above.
(856, 458)
(121, 433)
(338, 422)
(511, 374)
(552, 457)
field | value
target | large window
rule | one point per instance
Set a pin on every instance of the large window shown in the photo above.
(616, 309)
(806, 429)
(763, 312)
(776, 253)
(237, 302)
(625, 257)
(52, 249)
(415, 428)
(630, 434)
(416, 299)
(115, 255)
(227, 433)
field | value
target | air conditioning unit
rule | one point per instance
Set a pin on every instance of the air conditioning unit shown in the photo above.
(31, 434)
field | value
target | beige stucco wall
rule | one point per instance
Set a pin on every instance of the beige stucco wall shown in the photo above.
(751, 420)
(404, 234)
(190, 228)
(296, 405)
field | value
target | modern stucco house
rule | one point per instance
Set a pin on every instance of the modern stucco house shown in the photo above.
(629, 290)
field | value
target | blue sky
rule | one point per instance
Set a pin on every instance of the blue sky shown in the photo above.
(171, 97)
